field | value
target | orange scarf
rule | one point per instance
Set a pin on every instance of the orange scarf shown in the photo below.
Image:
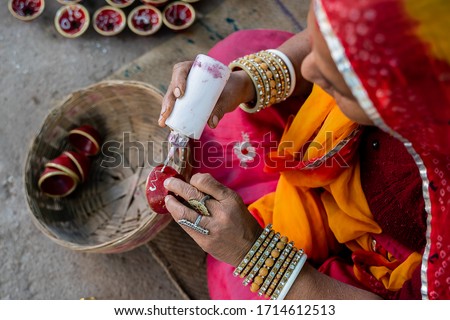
(319, 202)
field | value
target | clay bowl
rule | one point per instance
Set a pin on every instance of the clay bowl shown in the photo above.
(120, 3)
(156, 3)
(65, 2)
(178, 15)
(72, 20)
(26, 10)
(85, 139)
(145, 20)
(56, 183)
(109, 21)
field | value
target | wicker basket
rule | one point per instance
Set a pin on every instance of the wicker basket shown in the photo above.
(109, 212)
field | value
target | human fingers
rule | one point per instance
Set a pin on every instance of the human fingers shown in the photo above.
(175, 90)
(205, 183)
(191, 221)
(239, 88)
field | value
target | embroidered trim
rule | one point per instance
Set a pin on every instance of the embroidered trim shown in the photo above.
(332, 152)
(244, 150)
(352, 80)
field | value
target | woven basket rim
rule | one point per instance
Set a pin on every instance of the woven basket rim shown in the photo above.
(78, 247)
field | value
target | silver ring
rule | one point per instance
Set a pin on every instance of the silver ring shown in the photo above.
(199, 205)
(194, 226)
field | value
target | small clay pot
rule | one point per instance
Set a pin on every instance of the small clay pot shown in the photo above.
(81, 162)
(66, 2)
(72, 20)
(86, 140)
(120, 3)
(178, 15)
(109, 21)
(156, 3)
(56, 183)
(145, 20)
(26, 10)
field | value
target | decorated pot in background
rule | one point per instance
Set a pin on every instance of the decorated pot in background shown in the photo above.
(145, 20)
(109, 21)
(178, 15)
(26, 10)
(72, 20)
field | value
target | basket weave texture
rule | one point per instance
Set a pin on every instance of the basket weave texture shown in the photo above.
(109, 212)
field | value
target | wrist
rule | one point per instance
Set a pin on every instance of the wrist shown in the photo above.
(244, 85)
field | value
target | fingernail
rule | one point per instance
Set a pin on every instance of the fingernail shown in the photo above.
(215, 120)
(167, 181)
(177, 92)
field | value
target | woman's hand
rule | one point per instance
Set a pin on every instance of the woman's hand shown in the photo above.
(232, 229)
(238, 89)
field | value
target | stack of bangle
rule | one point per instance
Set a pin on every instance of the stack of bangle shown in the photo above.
(272, 74)
(271, 265)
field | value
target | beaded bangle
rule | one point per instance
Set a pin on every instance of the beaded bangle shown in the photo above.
(289, 276)
(257, 255)
(280, 272)
(285, 60)
(281, 77)
(271, 265)
(272, 74)
(261, 260)
(276, 60)
(273, 272)
(252, 250)
(278, 83)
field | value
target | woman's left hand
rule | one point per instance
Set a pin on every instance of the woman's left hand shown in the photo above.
(232, 229)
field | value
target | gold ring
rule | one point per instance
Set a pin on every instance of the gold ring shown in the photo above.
(199, 205)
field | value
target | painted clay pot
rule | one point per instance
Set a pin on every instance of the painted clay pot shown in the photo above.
(120, 3)
(66, 2)
(178, 15)
(86, 140)
(26, 10)
(56, 183)
(81, 162)
(72, 20)
(155, 190)
(109, 21)
(145, 20)
(156, 3)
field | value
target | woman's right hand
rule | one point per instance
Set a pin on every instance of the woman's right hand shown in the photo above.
(238, 89)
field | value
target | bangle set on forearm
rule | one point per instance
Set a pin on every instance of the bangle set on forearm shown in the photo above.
(272, 74)
(271, 265)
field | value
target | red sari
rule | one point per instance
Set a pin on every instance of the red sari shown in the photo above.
(394, 187)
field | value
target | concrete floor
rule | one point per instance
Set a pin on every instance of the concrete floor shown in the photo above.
(38, 67)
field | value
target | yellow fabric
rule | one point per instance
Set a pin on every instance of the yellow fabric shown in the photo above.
(321, 209)
(432, 18)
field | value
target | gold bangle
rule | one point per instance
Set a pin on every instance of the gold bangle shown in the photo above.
(261, 260)
(273, 272)
(257, 83)
(253, 250)
(257, 255)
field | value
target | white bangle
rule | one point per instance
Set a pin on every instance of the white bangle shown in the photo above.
(289, 65)
(292, 277)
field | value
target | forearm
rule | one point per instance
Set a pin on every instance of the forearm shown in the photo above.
(296, 49)
(313, 285)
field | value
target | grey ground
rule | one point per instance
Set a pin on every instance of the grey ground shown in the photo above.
(38, 67)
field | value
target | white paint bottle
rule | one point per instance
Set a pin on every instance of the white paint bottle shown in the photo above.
(205, 82)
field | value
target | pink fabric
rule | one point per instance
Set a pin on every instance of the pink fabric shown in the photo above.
(218, 149)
